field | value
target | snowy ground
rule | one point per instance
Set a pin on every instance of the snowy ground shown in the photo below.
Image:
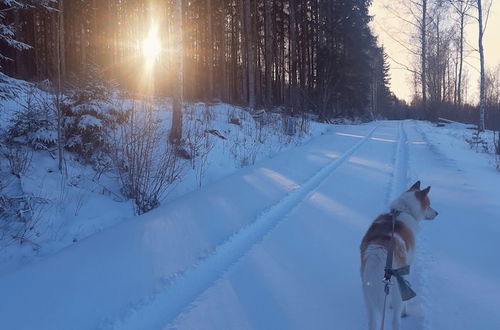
(276, 245)
(84, 202)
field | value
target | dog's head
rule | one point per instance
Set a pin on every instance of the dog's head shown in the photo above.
(416, 202)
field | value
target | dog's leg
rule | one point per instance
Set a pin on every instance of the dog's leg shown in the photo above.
(372, 324)
(397, 304)
(404, 312)
(373, 287)
(370, 307)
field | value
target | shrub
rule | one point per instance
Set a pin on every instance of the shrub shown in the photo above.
(34, 122)
(89, 112)
(147, 163)
(19, 158)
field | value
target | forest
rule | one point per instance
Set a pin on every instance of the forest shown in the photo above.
(108, 81)
(305, 56)
(238, 164)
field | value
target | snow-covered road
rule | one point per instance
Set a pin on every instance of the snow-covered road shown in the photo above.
(304, 274)
(276, 245)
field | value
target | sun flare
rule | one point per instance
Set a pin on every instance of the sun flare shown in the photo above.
(151, 47)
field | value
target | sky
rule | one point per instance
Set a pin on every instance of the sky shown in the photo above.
(390, 30)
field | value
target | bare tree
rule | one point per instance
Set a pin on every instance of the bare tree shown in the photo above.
(492, 87)
(462, 8)
(440, 80)
(413, 13)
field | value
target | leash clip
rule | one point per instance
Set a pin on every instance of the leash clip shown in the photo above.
(388, 274)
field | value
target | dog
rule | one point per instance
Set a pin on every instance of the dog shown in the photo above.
(409, 209)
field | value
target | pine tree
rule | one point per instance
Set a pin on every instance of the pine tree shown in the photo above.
(8, 31)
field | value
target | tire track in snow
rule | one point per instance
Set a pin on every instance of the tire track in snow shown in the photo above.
(417, 310)
(162, 308)
(399, 178)
(397, 185)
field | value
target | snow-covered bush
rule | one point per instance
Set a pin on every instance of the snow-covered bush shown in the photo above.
(270, 130)
(89, 111)
(477, 142)
(34, 122)
(19, 158)
(19, 216)
(148, 165)
(246, 144)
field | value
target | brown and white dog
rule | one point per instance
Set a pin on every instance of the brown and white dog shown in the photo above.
(414, 205)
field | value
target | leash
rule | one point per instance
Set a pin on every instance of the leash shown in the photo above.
(404, 286)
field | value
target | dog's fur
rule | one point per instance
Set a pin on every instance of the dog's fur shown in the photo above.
(414, 205)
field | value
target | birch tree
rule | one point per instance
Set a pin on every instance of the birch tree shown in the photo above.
(481, 62)
(423, 57)
(413, 13)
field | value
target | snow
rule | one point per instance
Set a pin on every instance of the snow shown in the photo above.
(276, 245)
(88, 120)
(11, 87)
(84, 201)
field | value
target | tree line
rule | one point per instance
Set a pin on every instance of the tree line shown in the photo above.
(437, 41)
(315, 56)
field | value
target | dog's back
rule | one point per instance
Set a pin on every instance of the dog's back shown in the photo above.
(379, 237)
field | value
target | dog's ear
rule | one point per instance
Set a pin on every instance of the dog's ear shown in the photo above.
(425, 191)
(416, 186)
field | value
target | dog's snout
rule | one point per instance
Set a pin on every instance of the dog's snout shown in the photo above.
(430, 213)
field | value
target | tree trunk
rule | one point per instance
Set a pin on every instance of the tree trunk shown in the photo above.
(438, 68)
(250, 55)
(243, 52)
(461, 60)
(482, 73)
(293, 55)
(62, 45)
(423, 74)
(59, 36)
(176, 130)
(269, 52)
(210, 57)
(18, 58)
(83, 46)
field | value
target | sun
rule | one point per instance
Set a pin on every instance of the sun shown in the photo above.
(151, 47)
